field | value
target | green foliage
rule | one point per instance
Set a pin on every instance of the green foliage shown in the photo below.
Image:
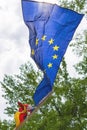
(5, 125)
(76, 5)
(80, 44)
(80, 48)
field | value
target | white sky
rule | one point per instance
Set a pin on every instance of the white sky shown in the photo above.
(14, 48)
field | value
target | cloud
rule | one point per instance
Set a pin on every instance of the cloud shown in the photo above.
(13, 33)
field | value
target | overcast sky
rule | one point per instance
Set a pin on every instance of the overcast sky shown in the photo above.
(14, 48)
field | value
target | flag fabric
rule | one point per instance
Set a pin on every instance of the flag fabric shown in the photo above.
(21, 114)
(51, 28)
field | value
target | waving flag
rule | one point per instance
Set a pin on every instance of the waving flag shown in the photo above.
(51, 28)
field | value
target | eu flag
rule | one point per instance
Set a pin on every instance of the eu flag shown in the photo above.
(51, 28)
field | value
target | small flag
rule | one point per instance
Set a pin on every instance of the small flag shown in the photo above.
(21, 114)
(51, 28)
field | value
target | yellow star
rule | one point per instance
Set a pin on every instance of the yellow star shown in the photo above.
(44, 38)
(49, 65)
(55, 48)
(37, 41)
(32, 52)
(55, 56)
(51, 41)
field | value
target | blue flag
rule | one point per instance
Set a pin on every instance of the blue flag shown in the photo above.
(51, 28)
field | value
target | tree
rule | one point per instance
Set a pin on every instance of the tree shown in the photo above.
(80, 46)
(77, 5)
(20, 87)
(66, 106)
(5, 125)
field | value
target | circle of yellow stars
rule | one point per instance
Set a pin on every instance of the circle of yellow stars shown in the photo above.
(51, 42)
